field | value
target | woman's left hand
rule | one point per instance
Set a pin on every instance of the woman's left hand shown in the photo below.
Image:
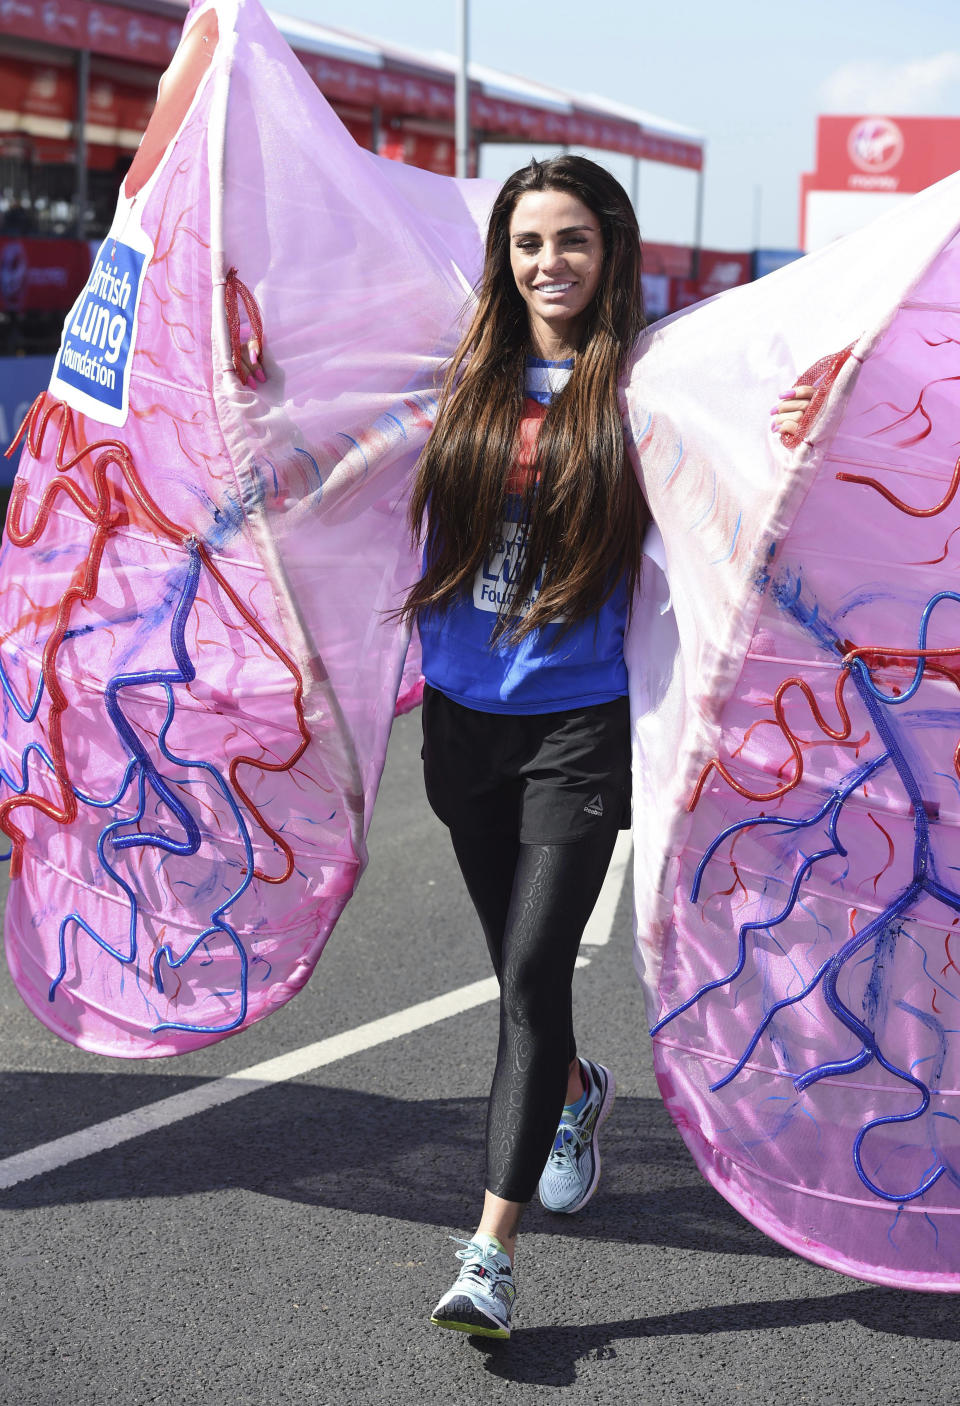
(789, 409)
(250, 354)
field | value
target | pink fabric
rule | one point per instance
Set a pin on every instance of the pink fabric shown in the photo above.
(207, 621)
(804, 965)
(295, 491)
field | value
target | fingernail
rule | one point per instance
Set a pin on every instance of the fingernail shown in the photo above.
(775, 410)
(791, 394)
(260, 374)
(254, 354)
(774, 429)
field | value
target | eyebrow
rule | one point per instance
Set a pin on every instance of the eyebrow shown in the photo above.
(535, 233)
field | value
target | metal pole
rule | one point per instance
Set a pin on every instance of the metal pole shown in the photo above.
(635, 185)
(463, 91)
(697, 229)
(376, 128)
(80, 144)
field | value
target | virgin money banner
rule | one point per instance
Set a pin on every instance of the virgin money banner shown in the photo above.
(904, 154)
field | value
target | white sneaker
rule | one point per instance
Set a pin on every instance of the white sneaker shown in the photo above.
(481, 1300)
(573, 1168)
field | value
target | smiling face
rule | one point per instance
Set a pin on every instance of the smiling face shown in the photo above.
(556, 257)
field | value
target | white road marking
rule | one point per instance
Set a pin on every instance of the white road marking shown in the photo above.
(88, 1141)
(153, 1116)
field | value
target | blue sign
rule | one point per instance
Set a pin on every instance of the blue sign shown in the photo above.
(22, 378)
(769, 260)
(98, 335)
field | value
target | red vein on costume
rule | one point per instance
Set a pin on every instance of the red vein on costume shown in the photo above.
(106, 516)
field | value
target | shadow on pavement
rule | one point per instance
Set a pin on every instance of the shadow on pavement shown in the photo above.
(550, 1356)
(419, 1161)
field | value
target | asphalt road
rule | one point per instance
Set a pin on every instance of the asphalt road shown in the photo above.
(286, 1248)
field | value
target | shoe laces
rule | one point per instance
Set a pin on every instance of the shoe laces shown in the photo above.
(473, 1250)
(568, 1143)
(480, 1251)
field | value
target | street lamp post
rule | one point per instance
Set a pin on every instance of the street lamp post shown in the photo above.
(80, 184)
(463, 91)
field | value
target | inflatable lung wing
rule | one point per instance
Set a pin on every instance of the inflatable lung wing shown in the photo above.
(198, 670)
(801, 960)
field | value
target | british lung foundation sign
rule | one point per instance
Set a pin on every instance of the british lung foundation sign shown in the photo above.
(92, 369)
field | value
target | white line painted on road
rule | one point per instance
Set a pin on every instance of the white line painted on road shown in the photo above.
(598, 930)
(153, 1116)
(51, 1155)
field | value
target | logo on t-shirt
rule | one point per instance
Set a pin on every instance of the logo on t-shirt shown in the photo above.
(495, 584)
(594, 806)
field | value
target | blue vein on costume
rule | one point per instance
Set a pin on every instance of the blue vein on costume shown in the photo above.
(882, 930)
(313, 463)
(141, 766)
(27, 715)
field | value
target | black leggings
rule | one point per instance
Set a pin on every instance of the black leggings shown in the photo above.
(533, 902)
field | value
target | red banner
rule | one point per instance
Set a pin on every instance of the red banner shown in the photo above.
(111, 30)
(103, 29)
(340, 81)
(904, 154)
(42, 275)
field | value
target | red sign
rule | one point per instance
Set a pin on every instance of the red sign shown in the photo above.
(904, 154)
(429, 152)
(38, 89)
(124, 106)
(720, 269)
(671, 259)
(42, 275)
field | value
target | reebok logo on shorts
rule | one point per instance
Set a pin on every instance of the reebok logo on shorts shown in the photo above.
(594, 806)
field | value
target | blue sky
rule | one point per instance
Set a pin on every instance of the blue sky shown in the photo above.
(750, 76)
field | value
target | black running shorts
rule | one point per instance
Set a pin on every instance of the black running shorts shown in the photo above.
(547, 777)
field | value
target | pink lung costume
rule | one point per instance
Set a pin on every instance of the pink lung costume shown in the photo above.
(199, 669)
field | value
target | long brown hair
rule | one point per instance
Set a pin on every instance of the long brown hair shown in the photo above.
(582, 509)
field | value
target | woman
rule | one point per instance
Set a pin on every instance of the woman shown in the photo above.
(536, 527)
(534, 524)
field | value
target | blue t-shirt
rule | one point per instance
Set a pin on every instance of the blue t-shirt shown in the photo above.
(547, 671)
